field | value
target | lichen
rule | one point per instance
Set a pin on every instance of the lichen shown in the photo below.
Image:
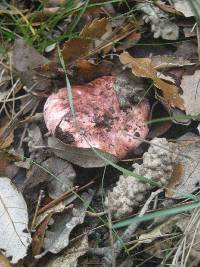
(161, 25)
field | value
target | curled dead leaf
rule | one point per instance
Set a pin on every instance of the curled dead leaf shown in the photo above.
(87, 71)
(79, 47)
(175, 179)
(143, 67)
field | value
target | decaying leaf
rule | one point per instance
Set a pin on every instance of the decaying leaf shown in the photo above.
(65, 174)
(9, 139)
(188, 173)
(6, 161)
(79, 47)
(69, 257)
(184, 7)
(4, 262)
(57, 237)
(26, 60)
(38, 237)
(35, 176)
(84, 157)
(142, 67)
(87, 71)
(57, 172)
(15, 237)
(35, 140)
(176, 176)
(190, 85)
(55, 209)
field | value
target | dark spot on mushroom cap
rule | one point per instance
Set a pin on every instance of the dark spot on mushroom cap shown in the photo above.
(65, 137)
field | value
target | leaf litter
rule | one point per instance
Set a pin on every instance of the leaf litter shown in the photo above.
(15, 237)
(150, 53)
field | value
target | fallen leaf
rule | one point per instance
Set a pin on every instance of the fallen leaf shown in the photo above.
(57, 237)
(64, 173)
(69, 257)
(187, 174)
(129, 41)
(87, 71)
(142, 67)
(175, 179)
(159, 110)
(15, 237)
(79, 47)
(35, 176)
(84, 157)
(184, 7)
(26, 60)
(55, 209)
(35, 140)
(9, 139)
(190, 85)
(38, 237)
(4, 262)
(6, 160)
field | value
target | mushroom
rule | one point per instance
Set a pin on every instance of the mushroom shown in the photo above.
(99, 121)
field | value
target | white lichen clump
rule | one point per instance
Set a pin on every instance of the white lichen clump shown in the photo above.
(161, 25)
(129, 192)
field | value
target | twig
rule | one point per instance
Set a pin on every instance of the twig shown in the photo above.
(62, 197)
(56, 201)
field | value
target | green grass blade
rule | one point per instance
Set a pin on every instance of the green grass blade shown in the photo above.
(157, 214)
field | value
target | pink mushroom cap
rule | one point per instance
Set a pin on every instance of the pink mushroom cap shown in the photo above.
(99, 122)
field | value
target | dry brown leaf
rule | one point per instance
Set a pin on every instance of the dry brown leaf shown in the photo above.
(38, 237)
(142, 67)
(79, 47)
(6, 161)
(186, 177)
(87, 71)
(4, 262)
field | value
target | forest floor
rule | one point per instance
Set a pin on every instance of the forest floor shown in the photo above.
(99, 133)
